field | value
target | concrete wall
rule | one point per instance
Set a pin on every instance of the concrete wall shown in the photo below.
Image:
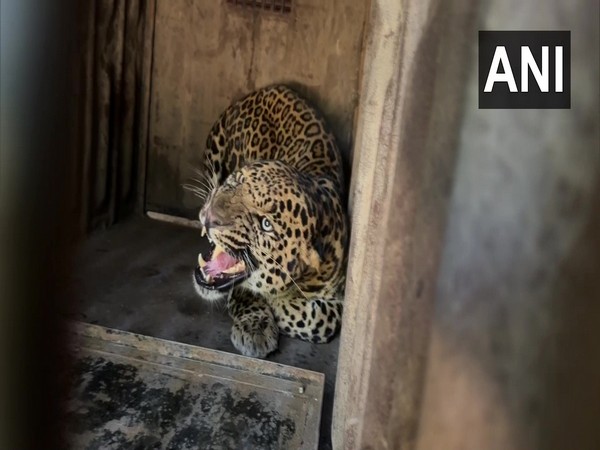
(500, 351)
(208, 53)
(514, 361)
(409, 115)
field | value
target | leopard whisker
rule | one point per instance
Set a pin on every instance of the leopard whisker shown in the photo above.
(213, 180)
(203, 183)
(230, 294)
(191, 187)
(248, 262)
(198, 192)
(201, 179)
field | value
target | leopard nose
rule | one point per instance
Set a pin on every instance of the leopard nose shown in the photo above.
(212, 220)
(211, 223)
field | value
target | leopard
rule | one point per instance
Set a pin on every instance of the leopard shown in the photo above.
(274, 221)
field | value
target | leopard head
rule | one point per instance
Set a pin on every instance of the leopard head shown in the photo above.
(264, 230)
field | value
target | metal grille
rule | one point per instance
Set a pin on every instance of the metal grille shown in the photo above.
(277, 6)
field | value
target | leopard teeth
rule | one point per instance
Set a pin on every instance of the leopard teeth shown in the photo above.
(201, 261)
(203, 232)
(217, 251)
(206, 275)
(238, 267)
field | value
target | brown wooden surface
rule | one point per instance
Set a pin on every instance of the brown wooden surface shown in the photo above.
(208, 53)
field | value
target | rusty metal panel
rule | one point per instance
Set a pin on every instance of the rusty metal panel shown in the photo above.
(135, 391)
(208, 53)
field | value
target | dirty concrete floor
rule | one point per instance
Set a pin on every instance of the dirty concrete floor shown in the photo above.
(137, 276)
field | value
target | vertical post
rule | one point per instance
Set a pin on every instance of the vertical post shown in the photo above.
(412, 84)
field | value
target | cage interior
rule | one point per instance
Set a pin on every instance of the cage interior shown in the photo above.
(153, 78)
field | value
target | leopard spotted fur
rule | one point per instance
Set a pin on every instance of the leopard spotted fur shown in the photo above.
(274, 201)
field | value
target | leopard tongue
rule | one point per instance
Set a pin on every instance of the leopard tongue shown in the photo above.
(218, 250)
(220, 263)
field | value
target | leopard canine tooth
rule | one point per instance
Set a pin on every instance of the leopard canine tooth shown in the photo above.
(201, 261)
(217, 251)
(203, 232)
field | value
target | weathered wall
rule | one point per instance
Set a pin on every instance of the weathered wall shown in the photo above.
(508, 354)
(208, 53)
(514, 361)
(408, 118)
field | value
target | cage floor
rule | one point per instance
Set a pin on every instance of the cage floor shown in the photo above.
(137, 277)
(138, 392)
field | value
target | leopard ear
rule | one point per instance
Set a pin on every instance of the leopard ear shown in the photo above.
(310, 258)
(314, 259)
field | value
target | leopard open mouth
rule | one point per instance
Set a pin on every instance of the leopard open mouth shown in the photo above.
(217, 268)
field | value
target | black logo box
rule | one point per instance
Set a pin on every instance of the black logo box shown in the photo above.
(500, 97)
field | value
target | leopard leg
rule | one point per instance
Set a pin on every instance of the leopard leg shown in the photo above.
(254, 331)
(314, 320)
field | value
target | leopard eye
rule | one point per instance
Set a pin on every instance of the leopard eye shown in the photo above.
(266, 224)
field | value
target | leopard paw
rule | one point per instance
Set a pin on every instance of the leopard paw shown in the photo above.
(255, 335)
